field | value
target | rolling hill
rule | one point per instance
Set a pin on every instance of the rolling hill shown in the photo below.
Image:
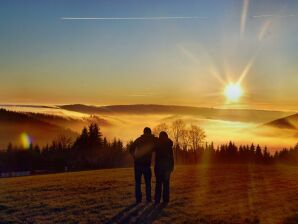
(244, 115)
(42, 128)
(289, 122)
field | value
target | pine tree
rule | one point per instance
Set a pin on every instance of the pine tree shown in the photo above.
(82, 141)
(95, 137)
(259, 155)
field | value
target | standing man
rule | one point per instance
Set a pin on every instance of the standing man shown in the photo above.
(141, 150)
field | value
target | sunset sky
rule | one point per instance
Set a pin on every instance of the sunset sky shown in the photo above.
(161, 52)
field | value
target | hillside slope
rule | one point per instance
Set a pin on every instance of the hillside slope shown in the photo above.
(41, 131)
(289, 122)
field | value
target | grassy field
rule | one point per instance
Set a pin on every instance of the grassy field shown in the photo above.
(200, 194)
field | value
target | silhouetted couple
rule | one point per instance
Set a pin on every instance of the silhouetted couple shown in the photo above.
(141, 150)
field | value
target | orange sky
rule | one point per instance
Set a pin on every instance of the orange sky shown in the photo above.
(143, 58)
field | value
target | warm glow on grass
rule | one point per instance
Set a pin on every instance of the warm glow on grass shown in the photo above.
(233, 91)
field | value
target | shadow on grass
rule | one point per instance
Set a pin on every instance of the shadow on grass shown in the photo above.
(125, 213)
(138, 214)
(291, 220)
(151, 213)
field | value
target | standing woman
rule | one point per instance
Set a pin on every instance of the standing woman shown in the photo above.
(164, 165)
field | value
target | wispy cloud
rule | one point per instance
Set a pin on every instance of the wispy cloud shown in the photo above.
(136, 18)
(142, 94)
(274, 15)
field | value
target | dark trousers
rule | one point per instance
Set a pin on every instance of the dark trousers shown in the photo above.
(162, 186)
(139, 171)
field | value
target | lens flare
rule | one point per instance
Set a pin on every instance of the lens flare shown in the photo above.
(233, 92)
(25, 140)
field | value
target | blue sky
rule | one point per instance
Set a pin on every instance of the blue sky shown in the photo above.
(45, 59)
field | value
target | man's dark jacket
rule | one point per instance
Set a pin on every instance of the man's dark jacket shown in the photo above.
(142, 149)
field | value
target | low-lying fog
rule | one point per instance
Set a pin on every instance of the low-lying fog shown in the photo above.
(217, 131)
(128, 127)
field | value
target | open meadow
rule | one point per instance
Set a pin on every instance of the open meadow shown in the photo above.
(200, 194)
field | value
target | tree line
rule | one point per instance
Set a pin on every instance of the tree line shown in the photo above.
(90, 150)
(190, 147)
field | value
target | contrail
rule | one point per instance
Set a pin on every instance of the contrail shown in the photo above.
(135, 18)
(274, 15)
(243, 16)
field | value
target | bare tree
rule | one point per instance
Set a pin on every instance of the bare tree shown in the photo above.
(160, 127)
(196, 136)
(184, 145)
(185, 140)
(177, 130)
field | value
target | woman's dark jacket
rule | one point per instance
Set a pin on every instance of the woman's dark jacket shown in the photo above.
(164, 159)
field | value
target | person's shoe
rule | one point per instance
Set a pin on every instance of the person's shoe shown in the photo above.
(148, 201)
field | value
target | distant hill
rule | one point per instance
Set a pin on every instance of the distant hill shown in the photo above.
(27, 105)
(67, 121)
(42, 128)
(289, 122)
(244, 115)
(12, 124)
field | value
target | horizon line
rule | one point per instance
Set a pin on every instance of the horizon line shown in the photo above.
(58, 106)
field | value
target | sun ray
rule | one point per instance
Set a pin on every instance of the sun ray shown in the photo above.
(215, 74)
(246, 70)
(188, 54)
(211, 68)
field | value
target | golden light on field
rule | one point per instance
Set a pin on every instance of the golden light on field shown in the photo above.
(233, 91)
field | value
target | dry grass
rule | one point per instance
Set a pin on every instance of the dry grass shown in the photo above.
(200, 194)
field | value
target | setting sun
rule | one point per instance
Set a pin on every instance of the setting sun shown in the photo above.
(233, 91)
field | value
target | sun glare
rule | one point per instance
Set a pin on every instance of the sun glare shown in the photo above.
(233, 91)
